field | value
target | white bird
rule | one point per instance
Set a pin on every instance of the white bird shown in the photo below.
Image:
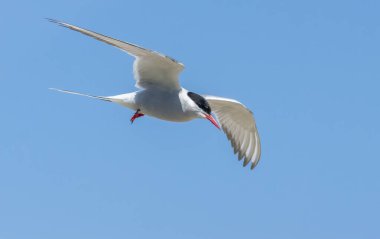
(161, 96)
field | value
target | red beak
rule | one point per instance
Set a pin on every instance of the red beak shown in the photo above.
(212, 120)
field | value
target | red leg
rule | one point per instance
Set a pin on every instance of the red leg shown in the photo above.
(136, 115)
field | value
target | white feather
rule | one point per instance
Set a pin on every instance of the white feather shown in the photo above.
(238, 123)
(151, 69)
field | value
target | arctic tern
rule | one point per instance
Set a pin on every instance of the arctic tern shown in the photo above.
(161, 96)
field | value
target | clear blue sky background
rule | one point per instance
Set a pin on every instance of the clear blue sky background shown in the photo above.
(72, 167)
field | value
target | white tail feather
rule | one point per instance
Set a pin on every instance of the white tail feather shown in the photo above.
(76, 93)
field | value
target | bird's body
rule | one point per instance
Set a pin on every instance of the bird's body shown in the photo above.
(162, 97)
(166, 105)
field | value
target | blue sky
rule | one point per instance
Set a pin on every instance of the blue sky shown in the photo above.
(72, 167)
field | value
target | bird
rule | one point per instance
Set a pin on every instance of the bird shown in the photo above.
(161, 96)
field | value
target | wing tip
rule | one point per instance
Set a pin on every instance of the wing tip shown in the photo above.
(59, 23)
(51, 19)
(54, 21)
(255, 163)
(55, 89)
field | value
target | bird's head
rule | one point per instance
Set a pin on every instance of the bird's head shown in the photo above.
(203, 108)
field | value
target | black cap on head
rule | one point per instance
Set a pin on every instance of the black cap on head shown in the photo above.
(200, 101)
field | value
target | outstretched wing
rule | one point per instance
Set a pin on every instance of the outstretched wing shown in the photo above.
(151, 69)
(239, 125)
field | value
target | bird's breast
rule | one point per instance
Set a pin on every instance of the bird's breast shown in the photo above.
(163, 105)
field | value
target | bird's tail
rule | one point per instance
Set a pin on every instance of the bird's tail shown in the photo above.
(90, 96)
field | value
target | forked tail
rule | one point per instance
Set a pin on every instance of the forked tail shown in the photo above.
(90, 96)
(127, 100)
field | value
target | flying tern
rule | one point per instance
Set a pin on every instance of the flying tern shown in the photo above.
(161, 96)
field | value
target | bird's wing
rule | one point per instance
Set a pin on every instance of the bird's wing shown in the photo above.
(151, 69)
(239, 125)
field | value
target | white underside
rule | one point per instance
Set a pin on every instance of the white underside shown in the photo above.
(161, 104)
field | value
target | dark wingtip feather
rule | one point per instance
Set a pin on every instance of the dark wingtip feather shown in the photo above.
(59, 23)
(240, 155)
(254, 164)
(52, 20)
(246, 162)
